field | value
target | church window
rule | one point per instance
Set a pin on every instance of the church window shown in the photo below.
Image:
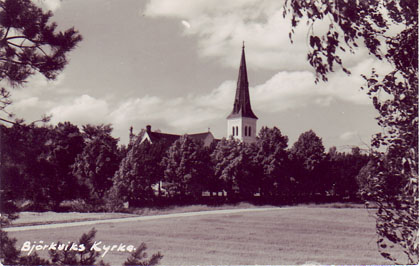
(237, 131)
(249, 131)
(233, 131)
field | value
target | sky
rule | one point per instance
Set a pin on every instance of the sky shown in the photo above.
(173, 64)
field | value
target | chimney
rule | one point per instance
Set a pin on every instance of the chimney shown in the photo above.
(149, 128)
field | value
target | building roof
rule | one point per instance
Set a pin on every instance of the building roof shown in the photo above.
(242, 103)
(200, 136)
(157, 136)
(171, 138)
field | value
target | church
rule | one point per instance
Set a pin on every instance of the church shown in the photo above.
(241, 122)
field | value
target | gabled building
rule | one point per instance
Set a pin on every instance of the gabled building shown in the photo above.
(153, 137)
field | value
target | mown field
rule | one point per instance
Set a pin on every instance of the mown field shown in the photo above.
(296, 235)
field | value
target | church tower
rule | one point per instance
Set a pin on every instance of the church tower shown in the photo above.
(242, 122)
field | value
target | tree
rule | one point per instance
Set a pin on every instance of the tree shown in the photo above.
(139, 257)
(272, 158)
(234, 167)
(307, 156)
(389, 30)
(65, 143)
(97, 164)
(30, 44)
(36, 163)
(138, 171)
(27, 172)
(185, 168)
(343, 169)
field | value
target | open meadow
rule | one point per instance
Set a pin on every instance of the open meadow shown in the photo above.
(295, 235)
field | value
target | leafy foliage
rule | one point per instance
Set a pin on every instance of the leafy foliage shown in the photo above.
(307, 156)
(138, 172)
(272, 157)
(72, 257)
(185, 168)
(36, 162)
(8, 253)
(96, 165)
(389, 30)
(234, 167)
(308, 150)
(29, 43)
(344, 170)
(64, 145)
(139, 257)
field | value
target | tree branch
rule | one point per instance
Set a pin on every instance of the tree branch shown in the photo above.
(8, 121)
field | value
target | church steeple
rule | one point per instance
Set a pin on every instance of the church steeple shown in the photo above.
(242, 103)
(242, 122)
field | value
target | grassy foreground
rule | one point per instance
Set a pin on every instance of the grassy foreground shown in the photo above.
(296, 235)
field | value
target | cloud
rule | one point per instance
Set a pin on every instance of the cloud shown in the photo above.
(52, 5)
(220, 27)
(26, 103)
(349, 135)
(186, 24)
(33, 98)
(292, 90)
(82, 110)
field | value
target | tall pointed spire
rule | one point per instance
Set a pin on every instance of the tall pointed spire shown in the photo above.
(242, 103)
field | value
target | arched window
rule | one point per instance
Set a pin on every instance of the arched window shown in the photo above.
(237, 131)
(245, 130)
(233, 131)
(249, 131)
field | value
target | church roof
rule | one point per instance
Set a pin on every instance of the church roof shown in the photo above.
(242, 103)
(171, 138)
(158, 136)
(200, 136)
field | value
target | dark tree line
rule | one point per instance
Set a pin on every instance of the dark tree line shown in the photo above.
(49, 167)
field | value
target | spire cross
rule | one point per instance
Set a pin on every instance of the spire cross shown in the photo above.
(243, 44)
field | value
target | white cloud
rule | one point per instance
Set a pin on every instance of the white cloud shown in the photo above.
(186, 24)
(221, 26)
(291, 90)
(349, 135)
(26, 103)
(33, 98)
(52, 5)
(83, 110)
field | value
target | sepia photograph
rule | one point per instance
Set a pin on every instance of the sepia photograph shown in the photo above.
(209, 132)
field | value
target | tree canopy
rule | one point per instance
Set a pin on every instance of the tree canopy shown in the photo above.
(96, 164)
(29, 44)
(185, 168)
(272, 155)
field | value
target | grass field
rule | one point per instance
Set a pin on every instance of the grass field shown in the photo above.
(297, 235)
